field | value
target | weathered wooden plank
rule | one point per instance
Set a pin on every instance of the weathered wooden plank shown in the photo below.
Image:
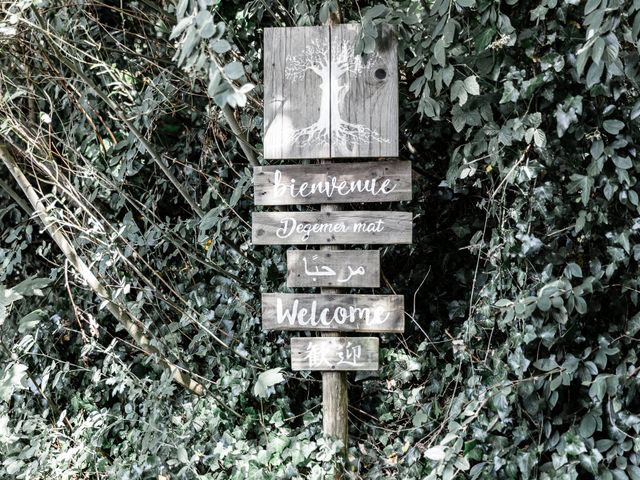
(364, 113)
(339, 353)
(329, 228)
(296, 93)
(321, 100)
(387, 181)
(333, 268)
(333, 312)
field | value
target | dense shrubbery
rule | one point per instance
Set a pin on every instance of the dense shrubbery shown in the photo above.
(520, 360)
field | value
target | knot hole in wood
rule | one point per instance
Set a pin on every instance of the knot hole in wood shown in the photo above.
(379, 75)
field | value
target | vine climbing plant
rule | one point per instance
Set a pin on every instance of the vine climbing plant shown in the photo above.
(131, 128)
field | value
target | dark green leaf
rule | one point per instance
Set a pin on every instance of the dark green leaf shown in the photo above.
(613, 126)
(30, 321)
(266, 380)
(597, 50)
(622, 162)
(439, 52)
(635, 111)
(376, 11)
(220, 46)
(234, 70)
(471, 85)
(32, 286)
(590, 6)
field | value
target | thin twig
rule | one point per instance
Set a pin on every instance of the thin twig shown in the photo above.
(133, 325)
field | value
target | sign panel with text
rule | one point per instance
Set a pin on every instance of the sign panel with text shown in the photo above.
(337, 353)
(385, 181)
(333, 312)
(327, 228)
(333, 268)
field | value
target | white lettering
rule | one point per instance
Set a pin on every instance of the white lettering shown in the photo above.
(331, 186)
(301, 314)
(328, 316)
(289, 226)
(280, 188)
(380, 316)
(369, 227)
(283, 315)
(340, 316)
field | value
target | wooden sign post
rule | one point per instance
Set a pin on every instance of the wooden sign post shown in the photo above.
(333, 312)
(323, 101)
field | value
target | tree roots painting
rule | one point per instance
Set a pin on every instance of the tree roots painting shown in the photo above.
(335, 73)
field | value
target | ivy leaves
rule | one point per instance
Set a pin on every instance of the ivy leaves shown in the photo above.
(200, 49)
(520, 361)
(263, 387)
(461, 89)
(26, 288)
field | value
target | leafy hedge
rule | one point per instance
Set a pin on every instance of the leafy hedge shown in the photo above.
(522, 121)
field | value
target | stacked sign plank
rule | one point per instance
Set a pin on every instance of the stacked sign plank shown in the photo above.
(322, 102)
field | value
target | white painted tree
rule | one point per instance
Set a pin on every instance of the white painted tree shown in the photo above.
(334, 74)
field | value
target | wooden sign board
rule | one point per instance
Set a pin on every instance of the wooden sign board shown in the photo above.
(337, 353)
(333, 268)
(296, 121)
(388, 181)
(364, 113)
(329, 228)
(333, 312)
(321, 100)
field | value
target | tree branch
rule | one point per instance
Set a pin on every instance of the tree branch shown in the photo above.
(157, 158)
(240, 135)
(126, 319)
(14, 195)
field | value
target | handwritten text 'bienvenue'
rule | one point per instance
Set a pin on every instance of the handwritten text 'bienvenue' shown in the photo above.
(332, 186)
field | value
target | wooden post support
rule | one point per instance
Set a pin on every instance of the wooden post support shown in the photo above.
(335, 397)
(322, 101)
(335, 400)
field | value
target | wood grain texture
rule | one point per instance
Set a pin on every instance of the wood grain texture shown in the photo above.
(364, 117)
(333, 312)
(293, 98)
(321, 100)
(333, 268)
(331, 228)
(385, 181)
(335, 398)
(335, 409)
(334, 354)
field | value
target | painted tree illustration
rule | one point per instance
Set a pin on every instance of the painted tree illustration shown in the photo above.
(334, 75)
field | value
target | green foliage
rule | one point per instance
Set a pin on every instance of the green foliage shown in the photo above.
(520, 358)
(201, 44)
(266, 380)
